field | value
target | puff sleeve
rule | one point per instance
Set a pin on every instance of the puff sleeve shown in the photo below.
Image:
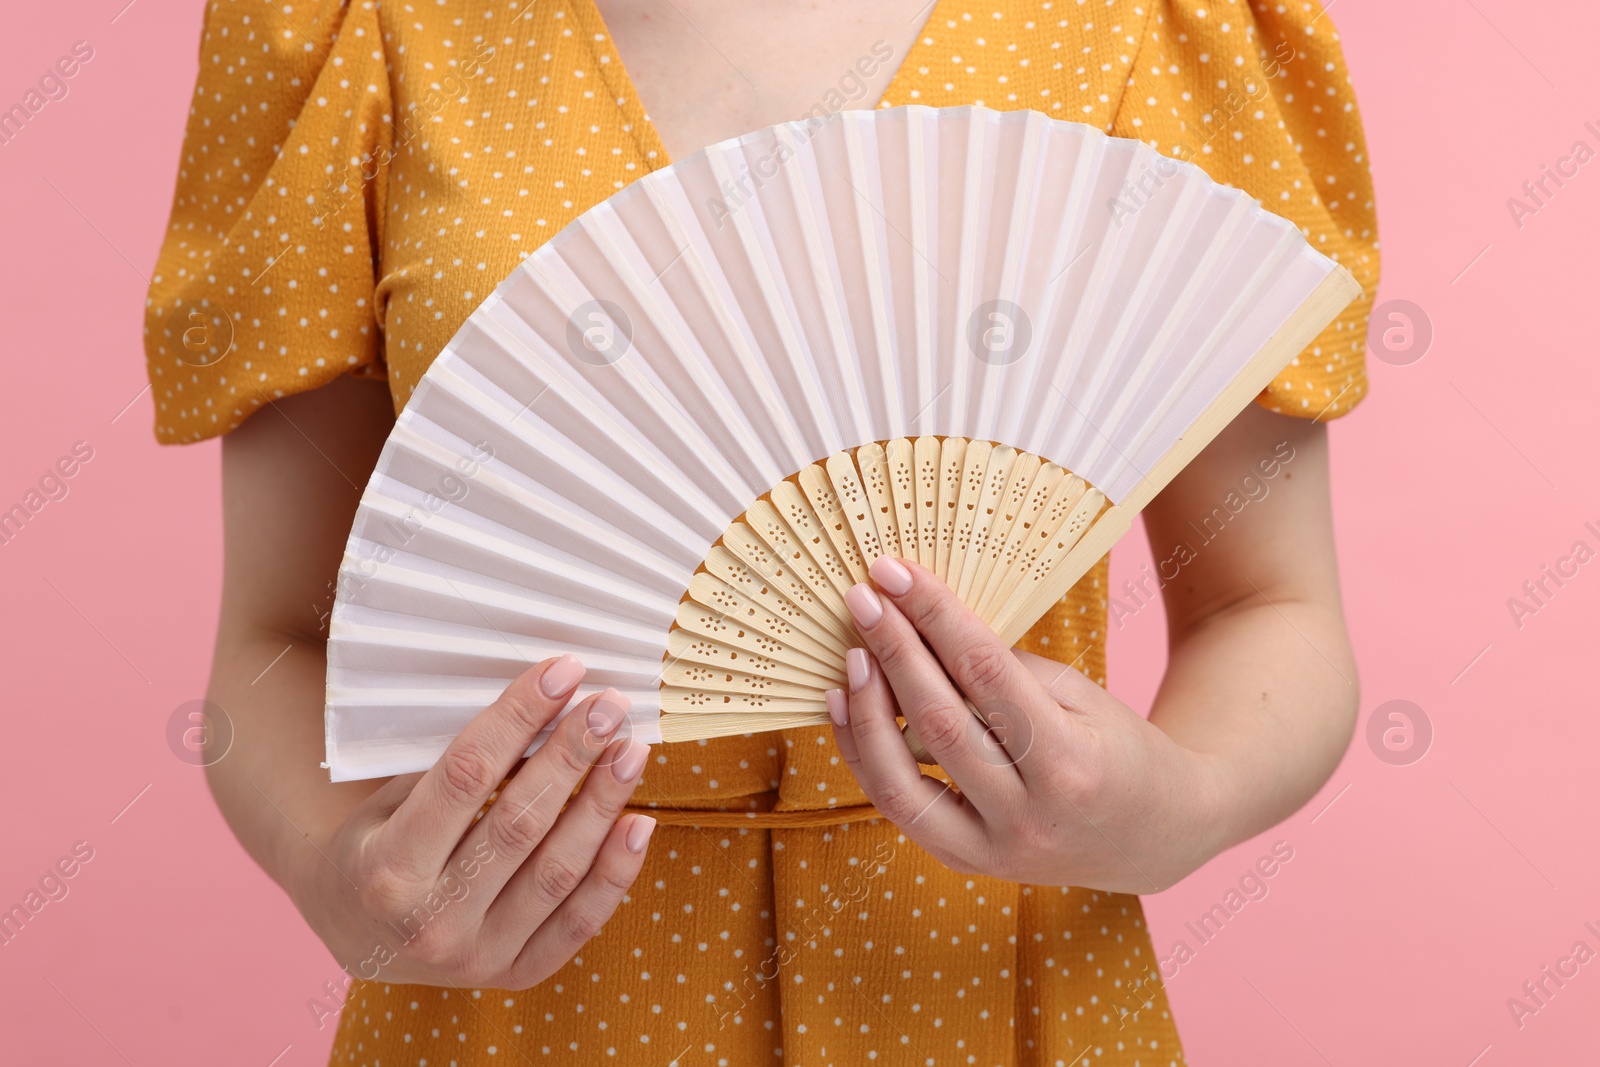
(1258, 96)
(265, 279)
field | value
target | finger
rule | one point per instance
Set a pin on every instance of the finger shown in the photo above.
(925, 809)
(931, 704)
(561, 861)
(424, 830)
(839, 712)
(972, 655)
(588, 907)
(384, 801)
(1068, 686)
(1041, 740)
(530, 802)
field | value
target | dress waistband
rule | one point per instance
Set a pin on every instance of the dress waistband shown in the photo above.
(763, 820)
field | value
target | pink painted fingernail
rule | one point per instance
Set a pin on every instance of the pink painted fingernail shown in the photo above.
(639, 833)
(858, 666)
(609, 709)
(630, 761)
(893, 578)
(561, 677)
(864, 605)
(838, 707)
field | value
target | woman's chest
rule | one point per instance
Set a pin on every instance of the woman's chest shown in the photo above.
(508, 123)
(707, 70)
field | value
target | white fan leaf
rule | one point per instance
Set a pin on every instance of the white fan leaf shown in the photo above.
(674, 437)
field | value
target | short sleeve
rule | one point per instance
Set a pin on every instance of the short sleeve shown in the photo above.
(1259, 98)
(265, 281)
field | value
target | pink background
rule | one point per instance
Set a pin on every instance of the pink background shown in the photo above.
(1420, 897)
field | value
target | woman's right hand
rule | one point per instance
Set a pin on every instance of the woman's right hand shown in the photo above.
(413, 888)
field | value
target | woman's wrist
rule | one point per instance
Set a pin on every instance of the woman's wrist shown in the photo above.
(1191, 823)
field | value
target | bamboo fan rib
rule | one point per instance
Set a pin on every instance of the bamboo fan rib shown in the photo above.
(679, 431)
(764, 629)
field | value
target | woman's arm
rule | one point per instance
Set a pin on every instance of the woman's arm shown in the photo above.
(372, 865)
(1260, 674)
(291, 479)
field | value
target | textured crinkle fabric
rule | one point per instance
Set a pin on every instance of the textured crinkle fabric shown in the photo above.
(357, 177)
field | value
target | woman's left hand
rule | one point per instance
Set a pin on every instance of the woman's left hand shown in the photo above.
(1066, 786)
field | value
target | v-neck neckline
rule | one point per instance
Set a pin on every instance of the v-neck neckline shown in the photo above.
(648, 137)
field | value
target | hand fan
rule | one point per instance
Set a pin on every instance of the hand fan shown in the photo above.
(681, 429)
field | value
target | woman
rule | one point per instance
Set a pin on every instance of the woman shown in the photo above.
(356, 179)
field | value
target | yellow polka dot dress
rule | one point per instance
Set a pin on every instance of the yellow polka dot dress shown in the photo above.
(357, 177)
